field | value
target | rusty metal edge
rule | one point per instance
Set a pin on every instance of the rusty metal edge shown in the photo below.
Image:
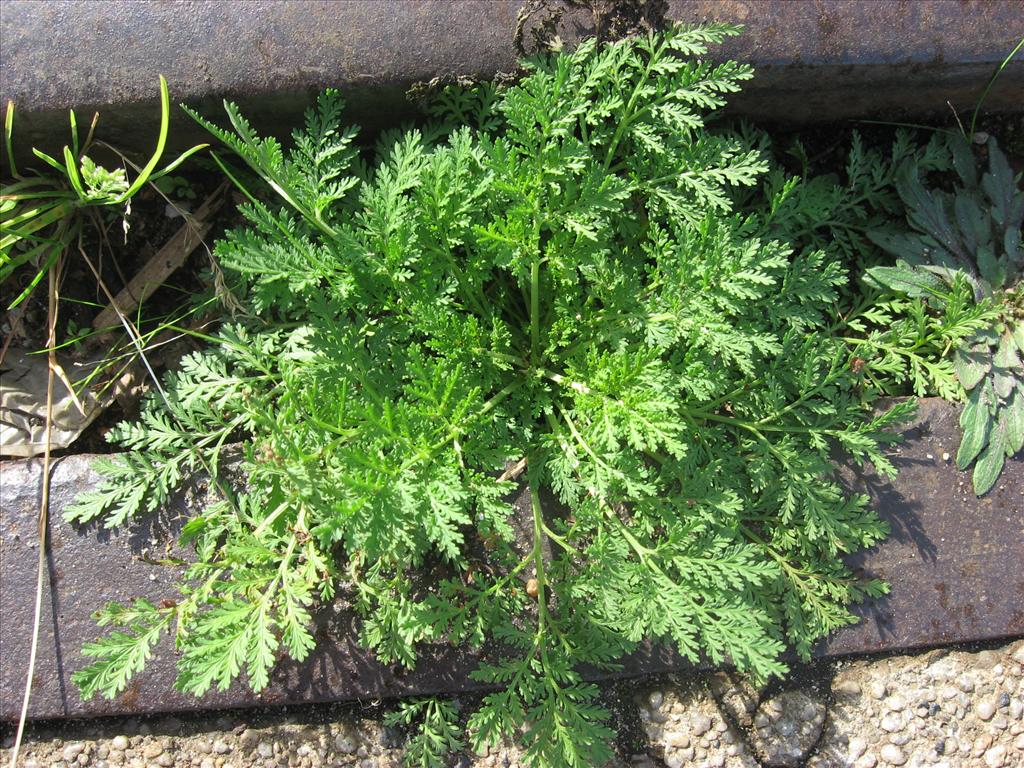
(816, 60)
(953, 561)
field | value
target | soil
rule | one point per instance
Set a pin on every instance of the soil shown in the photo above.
(119, 245)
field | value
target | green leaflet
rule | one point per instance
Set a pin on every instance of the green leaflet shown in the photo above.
(556, 282)
(435, 733)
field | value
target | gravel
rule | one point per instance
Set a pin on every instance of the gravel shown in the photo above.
(945, 708)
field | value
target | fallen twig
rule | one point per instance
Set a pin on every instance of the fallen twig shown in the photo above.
(168, 259)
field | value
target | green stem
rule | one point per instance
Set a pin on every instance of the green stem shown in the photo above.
(533, 475)
(758, 428)
(535, 310)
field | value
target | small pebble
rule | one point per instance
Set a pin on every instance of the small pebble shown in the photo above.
(985, 709)
(700, 724)
(677, 740)
(878, 690)
(891, 723)
(1004, 700)
(995, 757)
(221, 747)
(893, 754)
(857, 747)
(152, 751)
(895, 703)
(847, 687)
(982, 743)
(119, 743)
(72, 751)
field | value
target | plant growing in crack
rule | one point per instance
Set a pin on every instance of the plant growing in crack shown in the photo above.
(568, 288)
(958, 275)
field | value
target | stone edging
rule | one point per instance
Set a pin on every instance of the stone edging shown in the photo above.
(953, 560)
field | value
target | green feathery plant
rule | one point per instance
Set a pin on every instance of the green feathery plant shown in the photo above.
(565, 286)
(958, 278)
(435, 732)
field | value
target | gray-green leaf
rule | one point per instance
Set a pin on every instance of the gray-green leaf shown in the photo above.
(971, 365)
(1007, 357)
(990, 464)
(906, 279)
(975, 422)
(1011, 419)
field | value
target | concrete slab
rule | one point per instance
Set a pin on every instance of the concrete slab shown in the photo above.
(817, 60)
(953, 562)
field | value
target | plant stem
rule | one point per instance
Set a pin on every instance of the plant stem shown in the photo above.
(535, 311)
(543, 619)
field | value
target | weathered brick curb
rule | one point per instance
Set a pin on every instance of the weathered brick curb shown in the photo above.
(953, 560)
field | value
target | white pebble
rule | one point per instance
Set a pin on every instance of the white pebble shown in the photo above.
(895, 703)
(893, 754)
(891, 723)
(858, 747)
(677, 739)
(986, 709)
(996, 756)
(72, 751)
